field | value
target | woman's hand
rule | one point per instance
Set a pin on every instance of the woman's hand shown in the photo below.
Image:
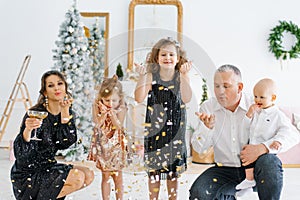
(32, 123)
(66, 103)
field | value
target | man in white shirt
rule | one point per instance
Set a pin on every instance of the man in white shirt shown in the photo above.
(222, 128)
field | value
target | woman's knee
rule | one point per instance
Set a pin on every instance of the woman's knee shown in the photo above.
(88, 174)
(75, 179)
(89, 177)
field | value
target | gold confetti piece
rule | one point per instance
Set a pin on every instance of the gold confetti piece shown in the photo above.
(182, 106)
(146, 133)
(155, 189)
(220, 164)
(171, 87)
(106, 91)
(55, 123)
(262, 181)
(28, 179)
(157, 137)
(150, 108)
(29, 186)
(146, 124)
(163, 134)
(12, 181)
(161, 88)
(215, 180)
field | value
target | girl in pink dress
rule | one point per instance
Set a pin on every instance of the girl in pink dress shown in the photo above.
(107, 145)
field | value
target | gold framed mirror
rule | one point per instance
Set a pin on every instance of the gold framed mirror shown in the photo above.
(151, 19)
(100, 22)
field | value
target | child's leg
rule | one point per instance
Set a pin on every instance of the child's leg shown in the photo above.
(249, 182)
(172, 188)
(118, 180)
(105, 185)
(154, 186)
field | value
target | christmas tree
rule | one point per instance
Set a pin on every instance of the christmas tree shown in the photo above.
(119, 71)
(96, 47)
(72, 58)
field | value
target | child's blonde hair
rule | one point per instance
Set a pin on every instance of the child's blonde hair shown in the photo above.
(110, 85)
(152, 57)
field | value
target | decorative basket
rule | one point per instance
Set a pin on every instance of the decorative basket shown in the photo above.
(204, 158)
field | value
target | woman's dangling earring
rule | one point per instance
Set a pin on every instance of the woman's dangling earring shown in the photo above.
(46, 102)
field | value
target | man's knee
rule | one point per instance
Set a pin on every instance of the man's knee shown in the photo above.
(195, 193)
(268, 161)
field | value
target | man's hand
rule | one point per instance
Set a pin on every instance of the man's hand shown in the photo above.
(251, 152)
(208, 120)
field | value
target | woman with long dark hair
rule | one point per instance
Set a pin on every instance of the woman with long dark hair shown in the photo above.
(36, 174)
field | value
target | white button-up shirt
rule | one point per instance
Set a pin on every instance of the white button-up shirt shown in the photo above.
(270, 125)
(228, 135)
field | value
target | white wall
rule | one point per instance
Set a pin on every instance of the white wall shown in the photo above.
(229, 31)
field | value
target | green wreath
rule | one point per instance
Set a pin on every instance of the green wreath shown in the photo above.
(275, 40)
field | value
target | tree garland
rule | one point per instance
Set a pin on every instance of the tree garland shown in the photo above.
(275, 40)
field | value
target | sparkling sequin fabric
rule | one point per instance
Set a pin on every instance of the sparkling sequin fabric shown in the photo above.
(36, 173)
(165, 148)
(108, 153)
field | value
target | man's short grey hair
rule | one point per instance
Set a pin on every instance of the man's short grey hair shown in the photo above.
(234, 69)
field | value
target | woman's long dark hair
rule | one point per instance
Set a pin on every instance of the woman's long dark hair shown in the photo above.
(42, 99)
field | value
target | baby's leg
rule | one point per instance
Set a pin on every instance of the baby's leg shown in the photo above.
(249, 182)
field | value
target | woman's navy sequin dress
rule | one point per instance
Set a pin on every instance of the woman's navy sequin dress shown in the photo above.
(36, 173)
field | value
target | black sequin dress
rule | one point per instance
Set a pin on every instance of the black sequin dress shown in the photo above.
(165, 147)
(36, 173)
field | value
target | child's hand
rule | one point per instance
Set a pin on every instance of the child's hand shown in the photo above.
(252, 109)
(208, 120)
(140, 69)
(102, 108)
(275, 145)
(113, 113)
(185, 67)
